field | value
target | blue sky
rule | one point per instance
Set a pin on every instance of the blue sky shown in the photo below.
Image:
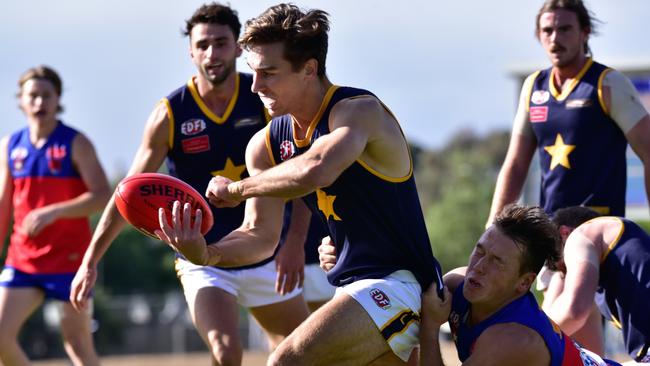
(440, 66)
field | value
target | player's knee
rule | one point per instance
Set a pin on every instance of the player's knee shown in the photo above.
(226, 354)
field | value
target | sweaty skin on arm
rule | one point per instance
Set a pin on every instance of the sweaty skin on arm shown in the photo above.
(149, 156)
(570, 296)
(520, 153)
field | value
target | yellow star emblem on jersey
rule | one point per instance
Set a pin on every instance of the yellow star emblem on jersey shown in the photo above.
(231, 171)
(326, 205)
(559, 152)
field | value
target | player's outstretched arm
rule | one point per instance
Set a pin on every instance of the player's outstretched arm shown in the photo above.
(353, 126)
(148, 158)
(254, 241)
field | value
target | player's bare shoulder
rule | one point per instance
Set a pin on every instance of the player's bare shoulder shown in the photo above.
(495, 345)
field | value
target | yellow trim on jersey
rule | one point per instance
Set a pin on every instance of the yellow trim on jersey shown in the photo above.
(267, 116)
(170, 116)
(566, 91)
(601, 99)
(204, 108)
(383, 176)
(312, 125)
(532, 77)
(614, 242)
(267, 142)
(616, 323)
(603, 210)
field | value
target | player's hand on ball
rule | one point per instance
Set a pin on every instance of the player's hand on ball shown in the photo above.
(218, 194)
(327, 254)
(183, 235)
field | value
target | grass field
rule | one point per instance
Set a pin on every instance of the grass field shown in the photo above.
(202, 359)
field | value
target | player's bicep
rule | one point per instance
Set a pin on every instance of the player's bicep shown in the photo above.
(155, 142)
(263, 219)
(87, 164)
(258, 153)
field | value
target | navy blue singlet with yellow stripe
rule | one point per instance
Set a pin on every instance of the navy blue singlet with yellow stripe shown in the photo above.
(203, 144)
(523, 310)
(375, 222)
(581, 149)
(624, 288)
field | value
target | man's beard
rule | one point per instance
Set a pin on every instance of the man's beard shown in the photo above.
(216, 80)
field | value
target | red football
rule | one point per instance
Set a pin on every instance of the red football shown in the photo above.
(139, 196)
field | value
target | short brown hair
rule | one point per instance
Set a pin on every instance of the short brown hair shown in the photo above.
(534, 232)
(214, 13)
(304, 34)
(585, 18)
(42, 72)
(573, 216)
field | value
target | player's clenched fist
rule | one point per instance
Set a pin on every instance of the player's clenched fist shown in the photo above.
(219, 195)
(327, 254)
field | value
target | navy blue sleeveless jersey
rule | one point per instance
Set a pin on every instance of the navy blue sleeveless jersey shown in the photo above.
(581, 149)
(624, 288)
(203, 144)
(375, 222)
(523, 310)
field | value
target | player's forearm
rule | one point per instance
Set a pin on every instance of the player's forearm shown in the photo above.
(430, 345)
(108, 228)
(507, 190)
(292, 179)
(242, 247)
(83, 205)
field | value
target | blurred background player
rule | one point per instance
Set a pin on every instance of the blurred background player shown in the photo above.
(51, 180)
(343, 151)
(609, 257)
(202, 128)
(580, 116)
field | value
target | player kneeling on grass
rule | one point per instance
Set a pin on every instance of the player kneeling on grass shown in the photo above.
(494, 318)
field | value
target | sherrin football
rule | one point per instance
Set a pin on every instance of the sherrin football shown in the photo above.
(139, 196)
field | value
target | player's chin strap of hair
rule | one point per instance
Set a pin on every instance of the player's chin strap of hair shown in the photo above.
(581, 250)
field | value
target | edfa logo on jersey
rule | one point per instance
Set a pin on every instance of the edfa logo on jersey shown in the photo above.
(196, 144)
(539, 113)
(18, 156)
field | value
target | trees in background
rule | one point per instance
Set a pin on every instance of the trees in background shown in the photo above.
(456, 185)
